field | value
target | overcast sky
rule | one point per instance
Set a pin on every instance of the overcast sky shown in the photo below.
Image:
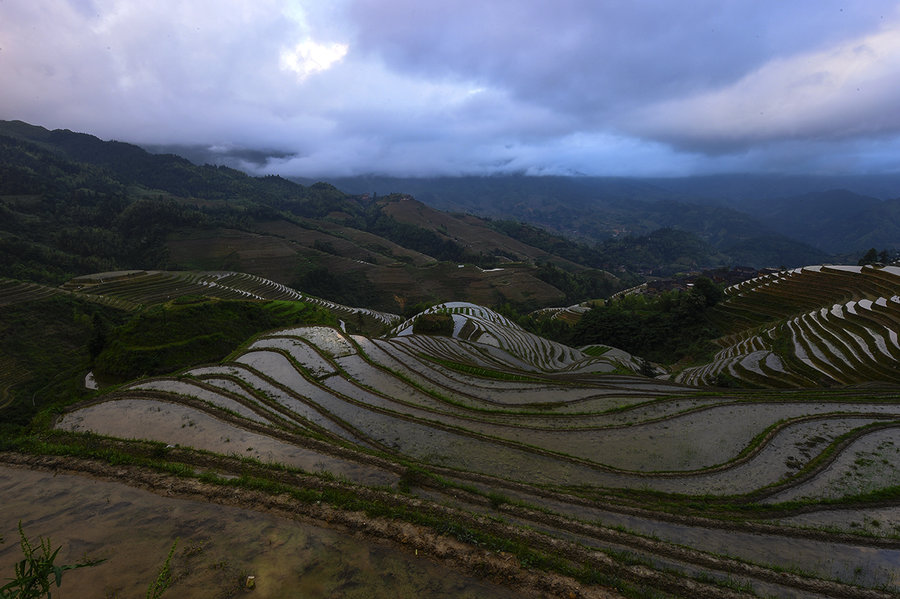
(422, 87)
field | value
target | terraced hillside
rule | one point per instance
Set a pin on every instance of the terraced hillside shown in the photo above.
(138, 287)
(486, 327)
(13, 291)
(628, 485)
(568, 314)
(808, 327)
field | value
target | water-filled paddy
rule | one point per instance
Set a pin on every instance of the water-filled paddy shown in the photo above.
(870, 463)
(218, 546)
(189, 389)
(182, 425)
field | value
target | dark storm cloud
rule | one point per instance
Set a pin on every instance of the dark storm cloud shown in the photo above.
(600, 58)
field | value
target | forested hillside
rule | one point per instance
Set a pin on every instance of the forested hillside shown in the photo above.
(72, 204)
(596, 209)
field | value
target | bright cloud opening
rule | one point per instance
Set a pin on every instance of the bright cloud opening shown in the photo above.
(309, 57)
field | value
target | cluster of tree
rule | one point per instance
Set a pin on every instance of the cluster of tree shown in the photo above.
(348, 288)
(667, 328)
(549, 328)
(53, 237)
(584, 284)
(434, 324)
(873, 256)
(46, 374)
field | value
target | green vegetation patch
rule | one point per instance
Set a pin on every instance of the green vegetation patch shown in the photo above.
(667, 328)
(45, 353)
(177, 335)
(434, 324)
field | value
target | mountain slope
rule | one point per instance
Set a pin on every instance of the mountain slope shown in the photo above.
(73, 204)
(837, 220)
(595, 209)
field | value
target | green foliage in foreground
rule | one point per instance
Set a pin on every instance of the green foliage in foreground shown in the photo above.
(177, 335)
(37, 572)
(164, 578)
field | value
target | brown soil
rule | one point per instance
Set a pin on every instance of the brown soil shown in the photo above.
(496, 567)
(493, 566)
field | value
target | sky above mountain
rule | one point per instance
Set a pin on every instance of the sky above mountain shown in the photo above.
(421, 87)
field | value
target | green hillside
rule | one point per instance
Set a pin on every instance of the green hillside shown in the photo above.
(598, 209)
(72, 204)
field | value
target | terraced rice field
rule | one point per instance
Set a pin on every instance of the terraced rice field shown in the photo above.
(688, 491)
(487, 328)
(569, 314)
(808, 327)
(15, 292)
(140, 287)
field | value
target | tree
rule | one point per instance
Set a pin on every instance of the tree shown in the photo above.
(870, 257)
(712, 294)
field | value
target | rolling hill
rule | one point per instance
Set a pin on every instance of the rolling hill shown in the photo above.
(596, 209)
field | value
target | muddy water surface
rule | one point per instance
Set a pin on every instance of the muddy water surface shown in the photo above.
(218, 547)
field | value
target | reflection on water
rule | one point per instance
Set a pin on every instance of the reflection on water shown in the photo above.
(218, 547)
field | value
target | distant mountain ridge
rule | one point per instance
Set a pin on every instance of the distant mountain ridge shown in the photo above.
(74, 204)
(731, 212)
(836, 220)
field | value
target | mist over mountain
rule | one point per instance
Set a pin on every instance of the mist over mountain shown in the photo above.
(622, 225)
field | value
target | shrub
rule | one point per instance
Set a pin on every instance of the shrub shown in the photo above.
(434, 324)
